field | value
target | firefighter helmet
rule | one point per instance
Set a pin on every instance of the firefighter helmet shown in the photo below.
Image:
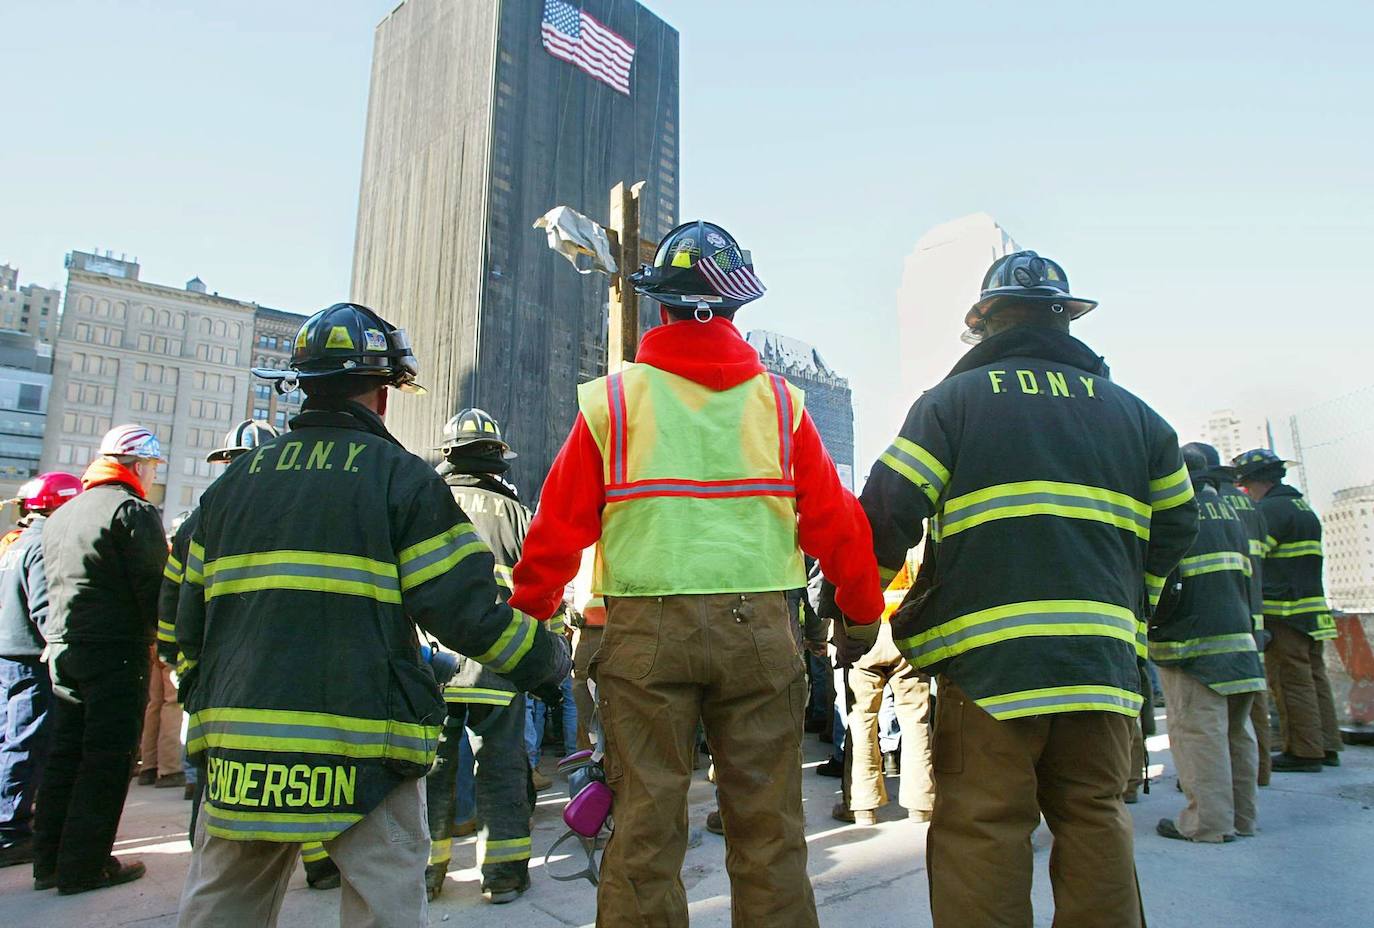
(132, 441)
(245, 436)
(699, 265)
(477, 429)
(1261, 464)
(1023, 277)
(46, 492)
(348, 339)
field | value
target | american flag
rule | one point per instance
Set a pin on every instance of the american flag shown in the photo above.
(576, 37)
(731, 277)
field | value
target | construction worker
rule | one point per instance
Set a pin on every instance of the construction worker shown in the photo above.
(104, 554)
(881, 668)
(1203, 643)
(25, 689)
(485, 704)
(1056, 498)
(701, 479)
(312, 707)
(1223, 477)
(1296, 614)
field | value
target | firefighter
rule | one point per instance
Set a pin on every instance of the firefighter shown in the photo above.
(312, 707)
(25, 688)
(480, 701)
(700, 478)
(1296, 614)
(104, 554)
(1223, 477)
(1056, 500)
(1204, 645)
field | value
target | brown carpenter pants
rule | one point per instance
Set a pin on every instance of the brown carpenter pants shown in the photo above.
(880, 667)
(586, 641)
(1307, 710)
(732, 662)
(1259, 721)
(161, 744)
(993, 780)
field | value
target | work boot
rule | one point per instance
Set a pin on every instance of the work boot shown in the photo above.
(435, 875)
(1131, 796)
(1289, 763)
(842, 813)
(892, 767)
(540, 781)
(171, 781)
(1166, 828)
(188, 792)
(831, 768)
(112, 874)
(46, 881)
(713, 823)
(919, 815)
(505, 887)
(147, 777)
(322, 874)
(1332, 759)
(20, 852)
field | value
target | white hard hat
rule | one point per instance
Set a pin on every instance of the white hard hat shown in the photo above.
(132, 441)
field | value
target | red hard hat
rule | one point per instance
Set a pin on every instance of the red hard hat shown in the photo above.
(46, 492)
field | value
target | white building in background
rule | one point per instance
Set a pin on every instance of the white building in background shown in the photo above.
(941, 279)
(1230, 434)
(1348, 543)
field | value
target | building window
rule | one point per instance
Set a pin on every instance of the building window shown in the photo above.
(281, 419)
(260, 412)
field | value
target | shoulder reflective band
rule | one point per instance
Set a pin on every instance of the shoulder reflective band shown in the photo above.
(1173, 490)
(917, 465)
(318, 571)
(1239, 643)
(1200, 564)
(1290, 607)
(1045, 498)
(615, 396)
(501, 851)
(288, 732)
(287, 827)
(1087, 698)
(436, 556)
(1297, 549)
(1036, 618)
(783, 400)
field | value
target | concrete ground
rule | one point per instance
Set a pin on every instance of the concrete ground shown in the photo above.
(1311, 864)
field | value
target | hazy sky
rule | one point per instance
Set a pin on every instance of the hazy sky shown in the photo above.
(1204, 170)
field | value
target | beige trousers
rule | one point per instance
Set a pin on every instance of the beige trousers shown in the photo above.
(880, 667)
(1307, 710)
(1214, 751)
(1259, 721)
(732, 662)
(381, 860)
(161, 745)
(993, 780)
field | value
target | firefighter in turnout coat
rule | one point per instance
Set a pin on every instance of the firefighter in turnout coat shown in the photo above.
(312, 708)
(1204, 645)
(1056, 500)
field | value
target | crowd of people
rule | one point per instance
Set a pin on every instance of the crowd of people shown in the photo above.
(348, 656)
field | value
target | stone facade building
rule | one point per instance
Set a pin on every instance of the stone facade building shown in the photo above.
(274, 331)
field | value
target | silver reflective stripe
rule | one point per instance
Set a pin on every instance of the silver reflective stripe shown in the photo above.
(326, 826)
(1216, 644)
(518, 642)
(951, 640)
(954, 516)
(642, 489)
(318, 571)
(1233, 687)
(1105, 700)
(210, 729)
(937, 483)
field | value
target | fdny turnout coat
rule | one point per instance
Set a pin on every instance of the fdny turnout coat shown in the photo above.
(313, 560)
(170, 594)
(1293, 592)
(1256, 533)
(1208, 634)
(1056, 500)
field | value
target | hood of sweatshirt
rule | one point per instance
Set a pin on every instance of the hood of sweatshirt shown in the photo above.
(712, 354)
(103, 471)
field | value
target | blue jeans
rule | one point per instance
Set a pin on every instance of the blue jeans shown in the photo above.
(25, 694)
(535, 714)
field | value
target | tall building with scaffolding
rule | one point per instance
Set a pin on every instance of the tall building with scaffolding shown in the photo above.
(481, 118)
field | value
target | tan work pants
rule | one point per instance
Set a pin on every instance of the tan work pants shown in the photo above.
(1259, 721)
(161, 745)
(1307, 710)
(381, 861)
(586, 641)
(993, 780)
(880, 667)
(731, 661)
(1214, 753)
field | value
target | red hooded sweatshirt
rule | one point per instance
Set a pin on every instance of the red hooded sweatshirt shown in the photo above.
(831, 525)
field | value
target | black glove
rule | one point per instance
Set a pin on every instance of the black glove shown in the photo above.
(550, 691)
